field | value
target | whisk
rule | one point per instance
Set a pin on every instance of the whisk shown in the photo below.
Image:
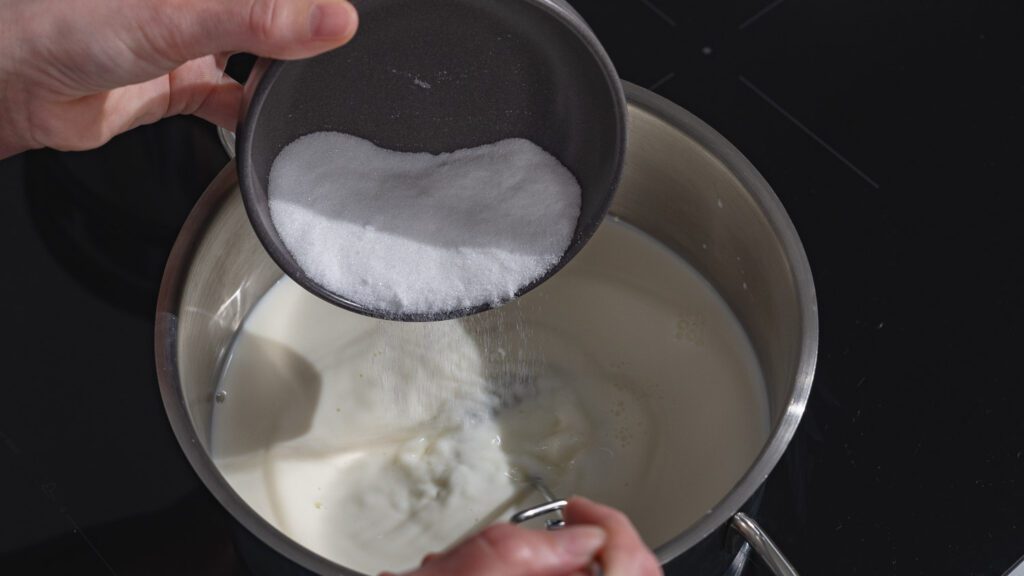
(551, 506)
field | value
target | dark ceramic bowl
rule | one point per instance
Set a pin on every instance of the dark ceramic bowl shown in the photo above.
(437, 76)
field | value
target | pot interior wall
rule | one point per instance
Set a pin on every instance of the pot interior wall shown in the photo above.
(230, 272)
(682, 194)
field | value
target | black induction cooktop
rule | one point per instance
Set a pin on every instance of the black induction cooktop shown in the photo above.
(891, 132)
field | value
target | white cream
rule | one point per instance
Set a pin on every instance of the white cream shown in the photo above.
(625, 378)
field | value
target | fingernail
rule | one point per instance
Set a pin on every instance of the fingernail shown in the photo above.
(332, 20)
(579, 543)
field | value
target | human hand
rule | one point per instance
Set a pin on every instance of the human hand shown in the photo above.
(594, 533)
(74, 73)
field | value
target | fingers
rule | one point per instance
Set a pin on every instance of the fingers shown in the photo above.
(90, 69)
(594, 531)
(506, 550)
(221, 104)
(74, 49)
(197, 87)
(143, 39)
(177, 37)
(90, 121)
(624, 554)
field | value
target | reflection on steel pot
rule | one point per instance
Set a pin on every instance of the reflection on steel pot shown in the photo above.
(683, 184)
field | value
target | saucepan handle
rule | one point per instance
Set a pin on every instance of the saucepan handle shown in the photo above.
(763, 545)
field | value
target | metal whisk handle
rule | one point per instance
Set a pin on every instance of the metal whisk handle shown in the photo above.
(555, 506)
(552, 506)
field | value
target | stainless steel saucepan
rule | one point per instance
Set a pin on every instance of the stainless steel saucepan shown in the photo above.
(683, 184)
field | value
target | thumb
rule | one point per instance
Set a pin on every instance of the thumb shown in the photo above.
(506, 550)
(144, 39)
(183, 30)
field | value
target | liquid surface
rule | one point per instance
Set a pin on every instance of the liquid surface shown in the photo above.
(414, 233)
(625, 379)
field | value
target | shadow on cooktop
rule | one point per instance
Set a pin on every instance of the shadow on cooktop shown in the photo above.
(110, 216)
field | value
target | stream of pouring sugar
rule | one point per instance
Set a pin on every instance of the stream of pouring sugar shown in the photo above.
(460, 372)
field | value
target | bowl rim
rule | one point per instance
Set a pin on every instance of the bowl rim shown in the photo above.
(221, 189)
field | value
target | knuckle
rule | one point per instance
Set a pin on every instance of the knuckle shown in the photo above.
(265, 17)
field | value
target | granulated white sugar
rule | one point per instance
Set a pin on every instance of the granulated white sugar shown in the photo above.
(421, 233)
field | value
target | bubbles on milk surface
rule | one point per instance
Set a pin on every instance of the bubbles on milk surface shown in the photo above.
(420, 233)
